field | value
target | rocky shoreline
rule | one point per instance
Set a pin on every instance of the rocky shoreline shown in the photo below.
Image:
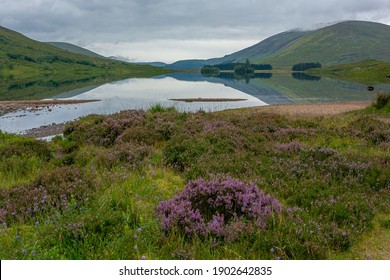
(34, 105)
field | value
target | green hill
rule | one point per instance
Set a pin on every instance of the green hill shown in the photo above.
(345, 42)
(263, 49)
(74, 49)
(25, 62)
(255, 52)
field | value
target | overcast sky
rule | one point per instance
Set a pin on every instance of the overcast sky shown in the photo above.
(169, 30)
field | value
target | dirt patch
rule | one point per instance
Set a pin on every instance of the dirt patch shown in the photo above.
(323, 109)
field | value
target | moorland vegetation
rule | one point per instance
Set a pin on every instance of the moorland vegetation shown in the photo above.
(162, 184)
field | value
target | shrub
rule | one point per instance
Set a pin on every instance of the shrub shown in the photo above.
(158, 108)
(127, 154)
(56, 190)
(26, 147)
(382, 99)
(222, 207)
(102, 130)
(210, 143)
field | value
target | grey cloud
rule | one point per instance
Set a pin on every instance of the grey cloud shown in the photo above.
(102, 21)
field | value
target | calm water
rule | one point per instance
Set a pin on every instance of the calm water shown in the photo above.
(144, 93)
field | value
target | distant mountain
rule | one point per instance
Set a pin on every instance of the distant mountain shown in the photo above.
(343, 42)
(125, 59)
(155, 63)
(74, 49)
(188, 64)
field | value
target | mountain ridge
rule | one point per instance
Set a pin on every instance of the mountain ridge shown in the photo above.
(342, 42)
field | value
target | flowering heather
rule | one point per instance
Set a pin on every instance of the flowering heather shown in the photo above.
(156, 127)
(222, 207)
(56, 190)
(292, 133)
(26, 148)
(102, 130)
(128, 154)
(291, 147)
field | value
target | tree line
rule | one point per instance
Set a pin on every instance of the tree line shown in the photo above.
(241, 69)
(306, 65)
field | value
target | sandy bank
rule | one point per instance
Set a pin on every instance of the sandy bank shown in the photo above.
(323, 109)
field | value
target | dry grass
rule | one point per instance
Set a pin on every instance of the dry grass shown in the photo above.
(374, 245)
(324, 109)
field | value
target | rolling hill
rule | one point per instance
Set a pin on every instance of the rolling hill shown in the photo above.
(39, 70)
(19, 54)
(344, 42)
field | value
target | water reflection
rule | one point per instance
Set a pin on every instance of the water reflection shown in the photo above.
(234, 76)
(304, 77)
(142, 93)
(137, 93)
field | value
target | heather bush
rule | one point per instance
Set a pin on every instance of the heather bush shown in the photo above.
(289, 134)
(364, 125)
(222, 207)
(156, 127)
(213, 147)
(102, 130)
(26, 147)
(128, 154)
(21, 158)
(290, 147)
(57, 190)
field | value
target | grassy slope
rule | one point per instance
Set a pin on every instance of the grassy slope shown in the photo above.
(366, 72)
(24, 62)
(262, 49)
(74, 49)
(344, 42)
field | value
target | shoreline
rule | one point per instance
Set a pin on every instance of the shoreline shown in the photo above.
(34, 105)
(200, 99)
(297, 110)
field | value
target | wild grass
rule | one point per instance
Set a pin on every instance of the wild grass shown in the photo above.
(160, 184)
(369, 72)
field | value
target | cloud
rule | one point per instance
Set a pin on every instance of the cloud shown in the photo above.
(136, 22)
(170, 50)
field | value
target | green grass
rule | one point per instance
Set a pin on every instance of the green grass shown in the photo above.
(369, 72)
(93, 193)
